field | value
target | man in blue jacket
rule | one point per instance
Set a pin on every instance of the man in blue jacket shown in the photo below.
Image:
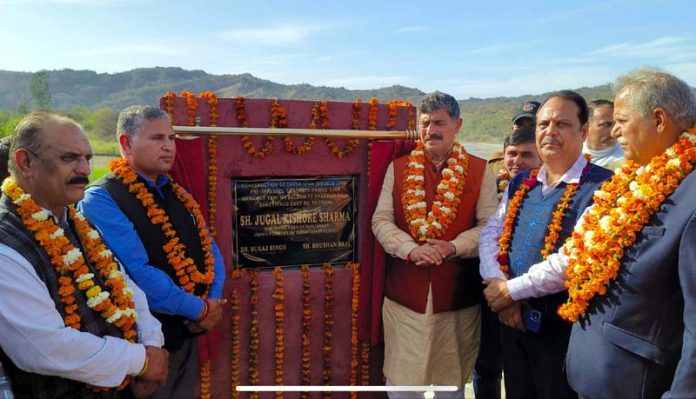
(150, 223)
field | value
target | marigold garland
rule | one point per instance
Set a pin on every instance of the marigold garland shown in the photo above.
(339, 153)
(279, 315)
(309, 141)
(240, 109)
(426, 224)
(169, 104)
(372, 114)
(622, 206)
(553, 229)
(503, 179)
(328, 326)
(393, 110)
(235, 335)
(509, 222)
(205, 380)
(356, 108)
(184, 267)
(306, 329)
(393, 106)
(191, 106)
(212, 100)
(212, 184)
(365, 363)
(253, 363)
(411, 117)
(354, 305)
(113, 300)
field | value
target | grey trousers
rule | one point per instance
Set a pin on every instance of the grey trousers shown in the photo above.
(183, 373)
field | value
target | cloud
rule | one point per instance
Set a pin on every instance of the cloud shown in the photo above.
(573, 12)
(495, 48)
(280, 35)
(410, 29)
(365, 82)
(668, 47)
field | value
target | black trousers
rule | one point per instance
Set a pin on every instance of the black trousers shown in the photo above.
(489, 363)
(534, 364)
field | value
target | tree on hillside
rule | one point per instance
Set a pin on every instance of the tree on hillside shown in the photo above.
(22, 107)
(101, 124)
(40, 91)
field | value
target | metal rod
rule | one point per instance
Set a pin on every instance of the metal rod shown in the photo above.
(259, 131)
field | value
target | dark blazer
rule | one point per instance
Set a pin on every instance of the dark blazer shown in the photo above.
(639, 340)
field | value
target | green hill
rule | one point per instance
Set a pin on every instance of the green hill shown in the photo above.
(485, 120)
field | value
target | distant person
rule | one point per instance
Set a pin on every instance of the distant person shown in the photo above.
(519, 153)
(432, 307)
(599, 144)
(174, 259)
(524, 117)
(4, 156)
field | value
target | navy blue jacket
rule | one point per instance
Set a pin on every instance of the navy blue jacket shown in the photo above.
(639, 340)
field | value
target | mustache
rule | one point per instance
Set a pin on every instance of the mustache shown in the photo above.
(550, 141)
(78, 180)
(434, 136)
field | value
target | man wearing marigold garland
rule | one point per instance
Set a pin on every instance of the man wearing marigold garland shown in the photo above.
(430, 211)
(158, 232)
(67, 313)
(629, 265)
(519, 153)
(534, 218)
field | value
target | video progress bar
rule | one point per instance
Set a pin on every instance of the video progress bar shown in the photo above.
(347, 388)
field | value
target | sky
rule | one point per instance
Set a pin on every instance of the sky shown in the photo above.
(466, 48)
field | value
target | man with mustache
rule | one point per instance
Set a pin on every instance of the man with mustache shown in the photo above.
(534, 218)
(600, 145)
(432, 205)
(159, 234)
(71, 320)
(629, 266)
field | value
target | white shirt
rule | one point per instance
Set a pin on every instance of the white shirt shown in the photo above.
(35, 337)
(489, 248)
(606, 157)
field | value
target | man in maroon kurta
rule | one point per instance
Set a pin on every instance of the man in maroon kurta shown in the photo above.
(429, 215)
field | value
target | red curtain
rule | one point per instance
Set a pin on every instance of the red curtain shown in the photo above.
(190, 170)
(373, 259)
